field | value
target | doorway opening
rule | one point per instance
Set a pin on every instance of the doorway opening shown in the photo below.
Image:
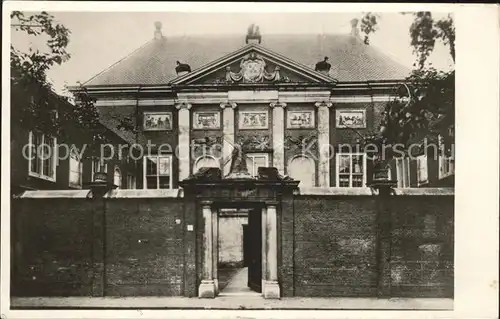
(239, 270)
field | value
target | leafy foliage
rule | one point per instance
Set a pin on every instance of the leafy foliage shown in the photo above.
(34, 104)
(426, 100)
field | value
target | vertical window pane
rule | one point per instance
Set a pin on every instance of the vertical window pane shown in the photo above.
(151, 182)
(35, 161)
(344, 164)
(151, 166)
(164, 166)
(350, 170)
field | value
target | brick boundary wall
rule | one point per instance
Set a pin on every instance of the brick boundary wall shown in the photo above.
(332, 242)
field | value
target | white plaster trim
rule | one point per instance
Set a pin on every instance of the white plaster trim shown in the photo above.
(143, 102)
(80, 193)
(360, 99)
(425, 191)
(253, 96)
(164, 102)
(203, 97)
(336, 191)
(366, 191)
(303, 96)
(144, 193)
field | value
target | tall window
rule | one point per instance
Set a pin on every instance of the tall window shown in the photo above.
(117, 177)
(131, 181)
(351, 170)
(403, 171)
(256, 160)
(446, 162)
(158, 171)
(205, 161)
(303, 168)
(422, 174)
(42, 156)
(75, 169)
(98, 166)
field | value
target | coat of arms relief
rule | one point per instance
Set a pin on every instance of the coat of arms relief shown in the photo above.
(253, 70)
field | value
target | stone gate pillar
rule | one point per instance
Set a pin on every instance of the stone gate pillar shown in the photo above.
(207, 285)
(271, 289)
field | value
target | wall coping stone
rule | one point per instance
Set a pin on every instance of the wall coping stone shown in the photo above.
(366, 191)
(80, 193)
(144, 193)
(426, 191)
(179, 192)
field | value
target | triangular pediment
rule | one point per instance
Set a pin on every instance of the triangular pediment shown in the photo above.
(253, 64)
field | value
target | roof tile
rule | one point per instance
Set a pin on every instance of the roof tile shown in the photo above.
(154, 63)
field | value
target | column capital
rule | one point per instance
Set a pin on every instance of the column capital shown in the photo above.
(323, 104)
(223, 105)
(277, 104)
(183, 106)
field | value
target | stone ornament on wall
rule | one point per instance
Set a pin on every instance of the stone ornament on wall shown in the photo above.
(207, 145)
(253, 120)
(305, 142)
(253, 70)
(157, 121)
(206, 120)
(300, 119)
(349, 118)
(254, 142)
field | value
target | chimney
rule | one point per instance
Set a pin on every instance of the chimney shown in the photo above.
(354, 28)
(158, 34)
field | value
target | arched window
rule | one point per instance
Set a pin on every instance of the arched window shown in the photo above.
(303, 168)
(205, 161)
(117, 179)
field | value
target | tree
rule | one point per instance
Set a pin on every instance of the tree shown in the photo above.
(426, 99)
(34, 103)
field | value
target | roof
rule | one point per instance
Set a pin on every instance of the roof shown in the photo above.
(155, 62)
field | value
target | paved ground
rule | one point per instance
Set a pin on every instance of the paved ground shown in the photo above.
(234, 302)
(238, 285)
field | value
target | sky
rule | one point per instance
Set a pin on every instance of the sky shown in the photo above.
(99, 39)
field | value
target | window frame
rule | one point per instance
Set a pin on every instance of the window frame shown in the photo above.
(93, 167)
(80, 169)
(117, 169)
(442, 159)
(144, 166)
(253, 156)
(337, 169)
(405, 166)
(131, 177)
(419, 159)
(41, 174)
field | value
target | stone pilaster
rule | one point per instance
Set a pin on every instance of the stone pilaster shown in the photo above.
(215, 249)
(271, 287)
(183, 155)
(324, 143)
(279, 136)
(264, 247)
(227, 133)
(207, 286)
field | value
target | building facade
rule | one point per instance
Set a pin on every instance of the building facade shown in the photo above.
(266, 93)
(40, 161)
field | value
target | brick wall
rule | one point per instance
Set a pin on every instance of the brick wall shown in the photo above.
(334, 246)
(51, 251)
(337, 250)
(422, 246)
(58, 244)
(331, 245)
